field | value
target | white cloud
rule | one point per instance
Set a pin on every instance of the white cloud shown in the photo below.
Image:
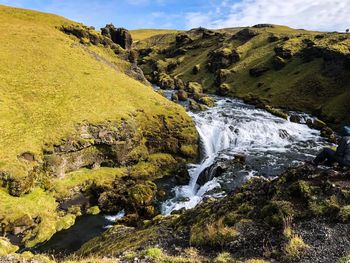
(327, 15)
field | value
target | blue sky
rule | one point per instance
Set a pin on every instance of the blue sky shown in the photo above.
(324, 15)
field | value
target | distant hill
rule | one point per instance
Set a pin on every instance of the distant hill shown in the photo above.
(270, 64)
(141, 34)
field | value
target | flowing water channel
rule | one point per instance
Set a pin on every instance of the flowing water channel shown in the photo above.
(230, 130)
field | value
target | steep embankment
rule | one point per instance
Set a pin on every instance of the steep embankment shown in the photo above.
(303, 216)
(73, 120)
(265, 64)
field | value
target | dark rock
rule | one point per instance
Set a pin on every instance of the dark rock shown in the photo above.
(264, 26)
(195, 69)
(120, 36)
(278, 63)
(222, 58)
(182, 95)
(258, 71)
(182, 177)
(179, 83)
(283, 52)
(245, 34)
(273, 38)
(183, 39)
(224, 89)
(295, 118)
(174, 97)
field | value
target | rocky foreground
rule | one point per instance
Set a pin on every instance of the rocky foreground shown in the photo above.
(302, 216)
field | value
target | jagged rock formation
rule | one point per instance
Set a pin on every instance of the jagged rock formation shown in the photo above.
(120, 36)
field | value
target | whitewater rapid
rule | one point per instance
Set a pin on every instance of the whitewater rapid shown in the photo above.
(232, 127)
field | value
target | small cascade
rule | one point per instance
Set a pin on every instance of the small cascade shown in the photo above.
(232, 127)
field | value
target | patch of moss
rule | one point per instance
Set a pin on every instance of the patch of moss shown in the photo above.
(294, 247)
(216, 233)
(6, 247)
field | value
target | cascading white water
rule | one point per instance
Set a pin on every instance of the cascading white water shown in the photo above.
(233, 127)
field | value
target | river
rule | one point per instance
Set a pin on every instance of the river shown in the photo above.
(232, 128)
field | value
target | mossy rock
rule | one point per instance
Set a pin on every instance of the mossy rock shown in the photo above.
(224, 89)
(182, 95)
(208, 101)
(194, 87)
(196, 69)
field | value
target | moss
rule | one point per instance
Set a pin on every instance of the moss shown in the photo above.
(294, 247)
(143, 194)
(94, 210)
(189, 151)
(224, 257)
(215, 233)
(6, 247)
(344, 213)
(208, 101)
(194, 87)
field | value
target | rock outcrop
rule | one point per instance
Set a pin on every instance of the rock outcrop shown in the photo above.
(120, 36)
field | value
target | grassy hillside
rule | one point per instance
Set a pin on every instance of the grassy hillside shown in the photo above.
(277, 65)
(142, 34)
(67, 106)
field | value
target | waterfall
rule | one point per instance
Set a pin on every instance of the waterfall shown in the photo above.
(233, 127)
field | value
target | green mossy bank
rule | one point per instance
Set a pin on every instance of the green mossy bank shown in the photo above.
(73, 122)
(264, 64)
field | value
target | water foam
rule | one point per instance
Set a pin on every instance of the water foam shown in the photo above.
(234, 127)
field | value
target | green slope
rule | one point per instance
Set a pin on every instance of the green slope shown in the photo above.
(299, 69)
(67, 105)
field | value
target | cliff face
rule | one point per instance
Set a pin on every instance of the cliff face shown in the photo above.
(77, 115)
(274, 65)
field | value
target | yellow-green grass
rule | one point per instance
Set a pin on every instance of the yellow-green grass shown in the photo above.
(141, 34)
(37, 204)
(49, 83)
(103, 176)
(300, 85)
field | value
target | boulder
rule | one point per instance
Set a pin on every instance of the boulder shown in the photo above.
(295, 118)
(165, 81)
(179, 83)
(196, 69)
(208, 101)
(193, 105)
(283, 52)
(222, 58)
(182, 39)
(273, 38)
(120, 36)
(174, 97)
(224, 89)
(245, 34)
(222, 75)
(182, 95)
(182, 177)
(194, 87)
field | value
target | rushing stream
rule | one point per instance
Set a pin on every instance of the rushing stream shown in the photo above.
(232, 128)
